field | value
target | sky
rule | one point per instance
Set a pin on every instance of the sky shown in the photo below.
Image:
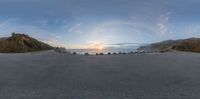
(101, 23)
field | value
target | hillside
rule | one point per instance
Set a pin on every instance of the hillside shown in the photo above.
(188, 45)
(19, 43)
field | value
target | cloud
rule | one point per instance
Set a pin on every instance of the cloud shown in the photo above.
(7, 22)
(124, 44)
(163, 23)
(13, 25)
(132, 21)
(74, 28)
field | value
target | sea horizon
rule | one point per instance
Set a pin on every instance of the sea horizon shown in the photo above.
(105, 51)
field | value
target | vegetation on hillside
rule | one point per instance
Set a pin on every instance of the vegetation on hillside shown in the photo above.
(19, 43)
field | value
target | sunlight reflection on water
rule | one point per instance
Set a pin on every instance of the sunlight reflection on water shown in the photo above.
(105, 51)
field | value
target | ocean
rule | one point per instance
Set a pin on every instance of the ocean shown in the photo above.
(105, 51)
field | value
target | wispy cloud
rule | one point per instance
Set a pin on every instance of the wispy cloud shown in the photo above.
(74, 28)
(124, 44)
(133, 21)
(7, 22)
(163, 23)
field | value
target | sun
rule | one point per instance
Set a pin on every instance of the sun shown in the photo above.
(100, 48)
(96, 45)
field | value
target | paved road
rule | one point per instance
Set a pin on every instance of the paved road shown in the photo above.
(50, 75)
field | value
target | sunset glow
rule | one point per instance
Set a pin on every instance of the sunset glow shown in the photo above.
(92, 24)
(100, 48)
(96, 45)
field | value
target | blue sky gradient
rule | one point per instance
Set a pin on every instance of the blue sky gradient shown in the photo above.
(82, 23)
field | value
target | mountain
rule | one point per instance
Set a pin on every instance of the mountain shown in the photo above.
(19, 43)
(188, 45)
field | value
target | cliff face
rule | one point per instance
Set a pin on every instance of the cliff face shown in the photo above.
(19, 43)
(188, 45)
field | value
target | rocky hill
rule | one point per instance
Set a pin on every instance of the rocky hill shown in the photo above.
(189, 45)
(19, 43)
